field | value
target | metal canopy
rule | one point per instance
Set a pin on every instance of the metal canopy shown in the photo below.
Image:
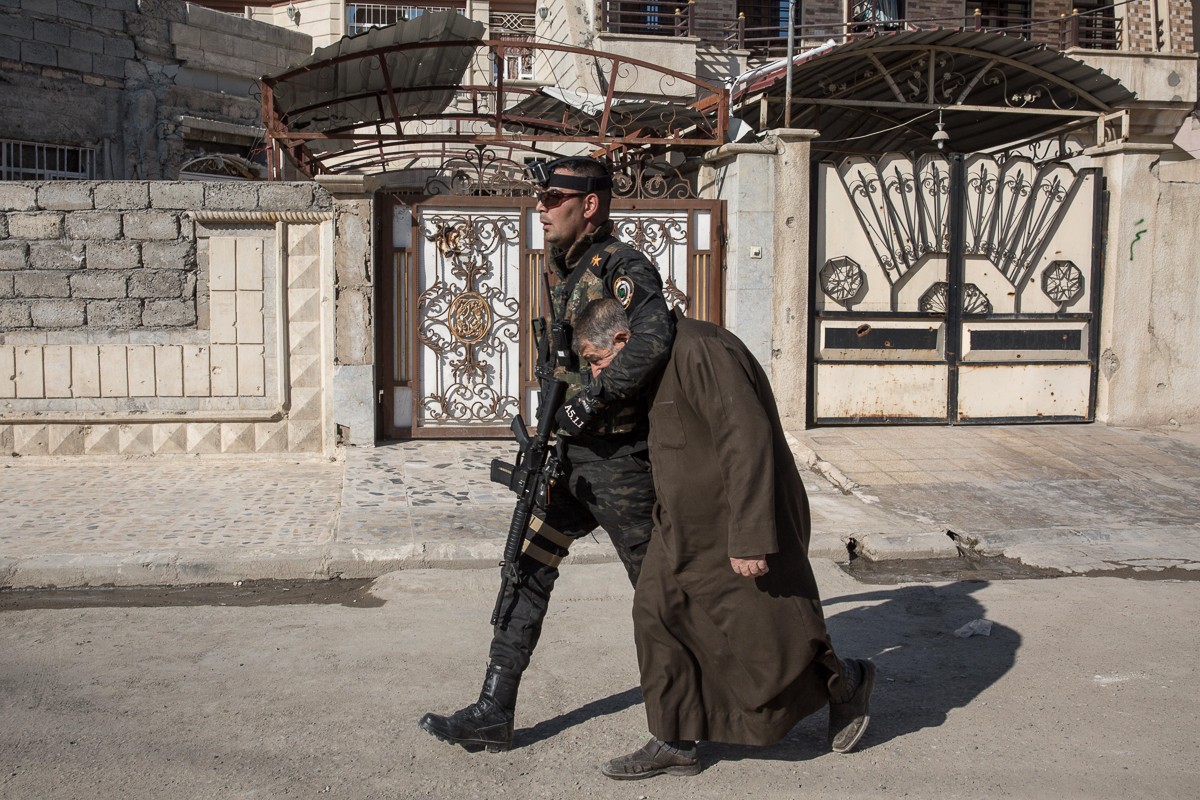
(397, 97)
(887, 92)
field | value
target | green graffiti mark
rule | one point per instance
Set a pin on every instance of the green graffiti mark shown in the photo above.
(1137, 236)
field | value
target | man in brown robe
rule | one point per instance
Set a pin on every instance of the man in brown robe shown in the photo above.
(730, 635)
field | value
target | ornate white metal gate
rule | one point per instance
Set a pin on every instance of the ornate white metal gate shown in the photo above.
(955, 289)
(466, 279)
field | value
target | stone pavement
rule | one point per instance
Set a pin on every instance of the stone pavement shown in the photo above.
(1077, 498)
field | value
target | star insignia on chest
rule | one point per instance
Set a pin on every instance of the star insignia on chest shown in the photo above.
(595, 261)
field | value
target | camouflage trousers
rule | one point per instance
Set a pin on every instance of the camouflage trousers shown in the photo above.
(616, 494)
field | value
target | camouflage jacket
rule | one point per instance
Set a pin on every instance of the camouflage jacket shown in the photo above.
(613, 269)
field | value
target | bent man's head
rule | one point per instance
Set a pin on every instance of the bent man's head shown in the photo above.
(601, 330)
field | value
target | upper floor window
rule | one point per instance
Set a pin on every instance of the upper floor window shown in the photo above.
(515, 27)
(34, 161)
(768, 17)
(883, 14)
(1002, 14)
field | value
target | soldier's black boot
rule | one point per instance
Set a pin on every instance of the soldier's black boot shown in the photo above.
(486, 723)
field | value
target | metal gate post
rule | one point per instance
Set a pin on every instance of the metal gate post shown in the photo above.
(1099, 245)
(955, 277)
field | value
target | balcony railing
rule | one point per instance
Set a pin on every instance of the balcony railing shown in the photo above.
(361, 17)
(648, 19)
(1090, 30)
(1096, 29)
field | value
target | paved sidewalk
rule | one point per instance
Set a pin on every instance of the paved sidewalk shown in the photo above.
(1075, 498)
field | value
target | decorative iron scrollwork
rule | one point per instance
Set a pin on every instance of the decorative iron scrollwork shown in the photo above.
(842, 279)
(1012, 209)
(468, 319)
(974, 300)
(644, 176)
(674, 296)
(636, 175)
(480, 172)
(902, 207)
(653, 237)
(1062, 282)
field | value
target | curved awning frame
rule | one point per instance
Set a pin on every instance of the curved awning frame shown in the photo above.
(889, 92)
(362, 111)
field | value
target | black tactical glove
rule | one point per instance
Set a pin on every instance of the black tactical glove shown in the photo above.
(574, 416)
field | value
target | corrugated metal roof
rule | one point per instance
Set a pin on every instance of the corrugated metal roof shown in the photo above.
(972, 77)
(340, 86)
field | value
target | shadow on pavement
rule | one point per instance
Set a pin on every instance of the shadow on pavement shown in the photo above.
(925, 671)
(549, 728)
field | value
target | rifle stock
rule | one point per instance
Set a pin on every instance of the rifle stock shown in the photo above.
(530, 478)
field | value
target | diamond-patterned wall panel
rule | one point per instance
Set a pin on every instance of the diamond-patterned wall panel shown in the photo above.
(135, 440)
(31, 440)
(305, 337)
(304, 436)
(306, 404)
(304, 240)
(65, 440)
(237, 437)
(100, 440)
(305, 372)
(304, 305)
(6, 439)
(170, 437)
(271, 437)
(304, 272)
(204, 437)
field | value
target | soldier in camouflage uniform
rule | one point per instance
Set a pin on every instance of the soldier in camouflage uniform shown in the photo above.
(603, 426)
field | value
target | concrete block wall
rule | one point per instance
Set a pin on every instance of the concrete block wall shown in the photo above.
(224, 43)
(119, 76)
(97, 256)
(238, 365)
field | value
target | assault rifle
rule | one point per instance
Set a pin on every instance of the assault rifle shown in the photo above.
(533, 474)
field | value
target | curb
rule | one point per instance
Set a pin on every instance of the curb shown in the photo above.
(815, 463)
(228, 565)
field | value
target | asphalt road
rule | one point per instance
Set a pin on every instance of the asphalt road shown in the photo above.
(1085, 688)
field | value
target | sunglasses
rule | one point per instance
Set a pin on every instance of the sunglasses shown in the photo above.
(553, 198)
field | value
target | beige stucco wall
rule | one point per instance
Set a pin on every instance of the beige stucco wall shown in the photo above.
(767, 270)
(323, 20)
(1150, 373)
(793, 274)
(1149, 370)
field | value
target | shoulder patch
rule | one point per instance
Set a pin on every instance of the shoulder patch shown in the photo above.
(623, 291)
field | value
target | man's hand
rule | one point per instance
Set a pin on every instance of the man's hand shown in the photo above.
(753, 567)
(574, 416)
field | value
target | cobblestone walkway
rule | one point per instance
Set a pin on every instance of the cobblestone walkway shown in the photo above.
(101, 504)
